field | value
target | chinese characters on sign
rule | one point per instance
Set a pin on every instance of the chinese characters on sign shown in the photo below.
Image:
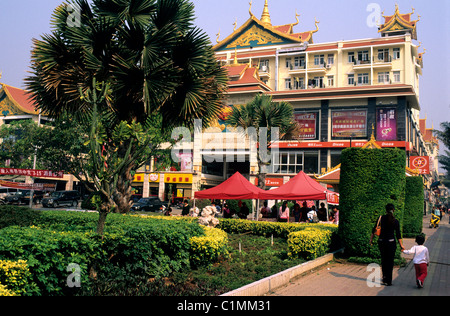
(349, 123)
(307, 124)
(386, 124)
(28, 186)
(32, 173)
(421, 163)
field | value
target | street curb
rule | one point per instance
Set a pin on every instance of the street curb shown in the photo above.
(275, 281)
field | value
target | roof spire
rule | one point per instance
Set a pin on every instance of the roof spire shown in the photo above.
(265, 17)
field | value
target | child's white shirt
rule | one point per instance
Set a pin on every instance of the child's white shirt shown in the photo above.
(420, 253)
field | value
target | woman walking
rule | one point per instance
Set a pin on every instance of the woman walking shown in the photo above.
(390, 229)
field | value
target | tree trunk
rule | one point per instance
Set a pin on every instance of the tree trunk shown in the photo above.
(101, 221)
(123, 191)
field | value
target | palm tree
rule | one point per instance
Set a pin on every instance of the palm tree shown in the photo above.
(444, 160)
(152, 59)
(263, 114)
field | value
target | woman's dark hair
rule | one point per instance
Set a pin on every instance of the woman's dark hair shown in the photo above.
(390, 214)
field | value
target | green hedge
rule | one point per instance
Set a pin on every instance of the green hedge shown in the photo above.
(11, 215)
(133, 247)
(267, 229)
(16, 279)
(370, 179)
(310, 243)
(414, 204)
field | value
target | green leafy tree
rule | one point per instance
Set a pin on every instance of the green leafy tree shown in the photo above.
(444, 160)
(261, 113)
(125, 64)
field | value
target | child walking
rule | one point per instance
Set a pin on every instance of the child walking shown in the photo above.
(421, 259)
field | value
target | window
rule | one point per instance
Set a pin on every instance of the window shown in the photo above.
(299, 83)
(396, 53)
(264, 65)
(288, 63)
(396, 76)
(351, 79)
(292, 162)
(318, 82)
(288, 162)
(288, 84)
(330, 59)
(319, 60)
(383, 77)
(383, 55)
(299, 62)
(311, 162)
(351, 57)
(335, 158)
(330, 82)
(363, 55)
(363, 79)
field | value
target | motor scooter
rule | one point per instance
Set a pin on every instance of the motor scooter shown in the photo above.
(434, 221)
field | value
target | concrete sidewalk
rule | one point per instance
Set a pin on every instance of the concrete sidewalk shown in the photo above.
(344, 279)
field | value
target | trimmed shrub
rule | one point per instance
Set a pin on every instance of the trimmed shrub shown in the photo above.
(5, 292)
(239, 226)
(309, 244)
(205, 250)
(48, 253)
(132, 248)
(414, 199)
(11, 215)
(370, 179)
(16, 278)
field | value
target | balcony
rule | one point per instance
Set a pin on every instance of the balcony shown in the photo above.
(264, 71)
(318, 67)
(362, 64)
(383, 61)
(297, 69)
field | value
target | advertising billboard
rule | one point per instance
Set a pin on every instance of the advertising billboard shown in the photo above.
(386, 124)
(351, 123)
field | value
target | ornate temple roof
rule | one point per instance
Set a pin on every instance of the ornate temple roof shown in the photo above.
(261, 32)
(244, 78)
(398, 23)
(15, 101)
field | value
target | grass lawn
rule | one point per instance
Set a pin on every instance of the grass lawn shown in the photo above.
(256, 260)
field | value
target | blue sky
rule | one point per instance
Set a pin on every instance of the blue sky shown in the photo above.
(22, 20)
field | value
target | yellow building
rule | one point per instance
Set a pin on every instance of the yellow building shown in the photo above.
(342, 92)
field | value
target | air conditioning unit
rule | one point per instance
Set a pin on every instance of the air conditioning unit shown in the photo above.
(264, 68)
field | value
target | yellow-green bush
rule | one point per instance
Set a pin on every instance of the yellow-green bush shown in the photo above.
(5, 292)
(309, 243)
(15, 277)
(262, 228)
(206, 249)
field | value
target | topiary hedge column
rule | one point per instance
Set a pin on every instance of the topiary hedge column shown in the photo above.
(370, 179)
(414, 202)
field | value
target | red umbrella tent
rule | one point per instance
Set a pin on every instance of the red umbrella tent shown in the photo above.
(235, 188)
(301, 187)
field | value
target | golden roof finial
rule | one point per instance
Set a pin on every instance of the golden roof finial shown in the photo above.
(317, 25)
(218, 37)
(296, 18)
(250, 9)
(235, 25)
(265, 17)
